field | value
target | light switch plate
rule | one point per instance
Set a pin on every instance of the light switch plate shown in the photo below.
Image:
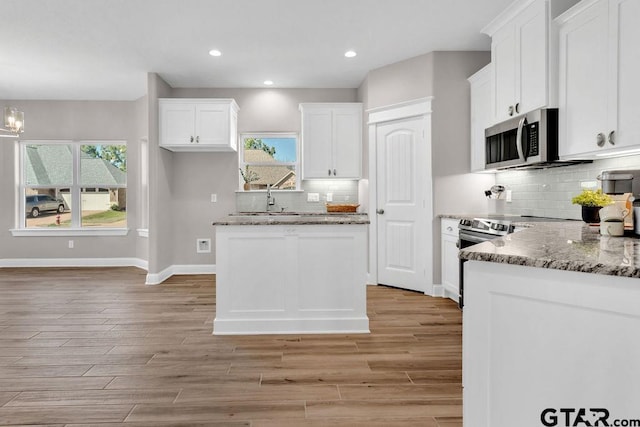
(214, 198)
(313, 197)
(329, 197)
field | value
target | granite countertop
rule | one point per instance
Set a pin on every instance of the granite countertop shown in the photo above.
(293, 218)
(562, 245)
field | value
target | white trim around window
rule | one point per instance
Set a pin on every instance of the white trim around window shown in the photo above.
(71, 182)
(268, 135)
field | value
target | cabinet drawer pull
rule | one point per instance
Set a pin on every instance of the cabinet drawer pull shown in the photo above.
(600, 139)
(612, 137)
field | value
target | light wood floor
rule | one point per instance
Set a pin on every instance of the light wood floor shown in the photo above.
(98, 347)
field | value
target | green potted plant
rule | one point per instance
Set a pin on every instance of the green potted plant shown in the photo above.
(591, 202)
(248, 177)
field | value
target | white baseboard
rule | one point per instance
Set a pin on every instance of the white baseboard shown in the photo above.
(74, 262)
(151, 279)
(358, 325)
(436, 291)
(157, 278)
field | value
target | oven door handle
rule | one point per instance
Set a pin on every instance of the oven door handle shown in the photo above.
(519, 142)
(473, 239)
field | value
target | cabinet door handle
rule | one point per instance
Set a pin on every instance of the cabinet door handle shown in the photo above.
(510, 110)
(517, 108)
(191, 138)
(380, 211)
(612, 137)
(329, 172)
(334, 172)
(449, 228)
(198, 139)
(600, 139)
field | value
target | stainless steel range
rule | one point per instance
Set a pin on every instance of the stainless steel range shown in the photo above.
(478, 230)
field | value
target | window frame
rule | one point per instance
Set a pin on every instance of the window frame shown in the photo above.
(75, 189)
(242, 164)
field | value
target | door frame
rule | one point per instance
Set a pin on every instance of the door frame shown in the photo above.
(417, 108)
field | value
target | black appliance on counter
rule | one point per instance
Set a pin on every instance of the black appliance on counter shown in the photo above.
(529, 141)
(478, 230)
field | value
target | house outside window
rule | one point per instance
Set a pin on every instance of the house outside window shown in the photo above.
(269, 159)
(73, 185)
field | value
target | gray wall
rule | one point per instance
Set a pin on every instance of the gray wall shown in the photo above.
(161, 215)
(70, 120)
(401, 81)
(195, 176)
(451, 134)
(548, 192)
(442, 75)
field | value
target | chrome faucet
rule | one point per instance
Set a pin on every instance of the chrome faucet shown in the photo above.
(270, 199)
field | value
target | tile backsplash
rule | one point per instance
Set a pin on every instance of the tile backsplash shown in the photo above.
(296, 201)
(548, 192)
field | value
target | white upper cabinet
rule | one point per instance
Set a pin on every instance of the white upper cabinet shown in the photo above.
(599, 87)
(481, 117)
(331, 140)
(198, 124)
(522, 53)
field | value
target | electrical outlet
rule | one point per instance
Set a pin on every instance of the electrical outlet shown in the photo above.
(70, 244)
(313, 197)
(329, 197)
(508, 196)
(203, 246)
(214, 198)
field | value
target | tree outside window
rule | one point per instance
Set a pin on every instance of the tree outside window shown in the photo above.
(269, 160)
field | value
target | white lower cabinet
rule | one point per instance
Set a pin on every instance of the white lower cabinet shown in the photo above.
(274, 279)
(536, 340)
(449, 258)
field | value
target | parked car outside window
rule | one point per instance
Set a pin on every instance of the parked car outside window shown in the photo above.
(43, 203)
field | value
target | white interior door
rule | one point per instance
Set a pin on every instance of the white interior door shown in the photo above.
(401, 204)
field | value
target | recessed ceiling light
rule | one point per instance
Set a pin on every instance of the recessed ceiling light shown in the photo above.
(268, 82)
(350, 54)
(215, 52)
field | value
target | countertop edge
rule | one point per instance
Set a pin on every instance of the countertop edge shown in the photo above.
(560, 245)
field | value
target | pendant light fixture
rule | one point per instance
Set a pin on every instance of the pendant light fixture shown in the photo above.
(13, 123)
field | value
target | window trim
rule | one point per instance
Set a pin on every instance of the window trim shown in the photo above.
(75, 188)
(296, 164)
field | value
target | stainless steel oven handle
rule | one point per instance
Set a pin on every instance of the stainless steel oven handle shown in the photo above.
(519, 139)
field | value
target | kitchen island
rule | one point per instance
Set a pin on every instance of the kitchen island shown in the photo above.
(551, 324)
(291, 273)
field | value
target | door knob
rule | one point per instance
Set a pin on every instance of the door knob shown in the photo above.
(600, 139)
(380, 211)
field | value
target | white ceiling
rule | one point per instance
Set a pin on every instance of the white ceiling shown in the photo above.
(103, 49)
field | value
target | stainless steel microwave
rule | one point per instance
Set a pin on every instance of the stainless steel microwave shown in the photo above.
(527, 141)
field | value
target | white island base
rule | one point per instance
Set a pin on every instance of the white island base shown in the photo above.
(538, 339)
(286, 279)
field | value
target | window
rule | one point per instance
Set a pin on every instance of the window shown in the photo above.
(72, 185)
(269, 159)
